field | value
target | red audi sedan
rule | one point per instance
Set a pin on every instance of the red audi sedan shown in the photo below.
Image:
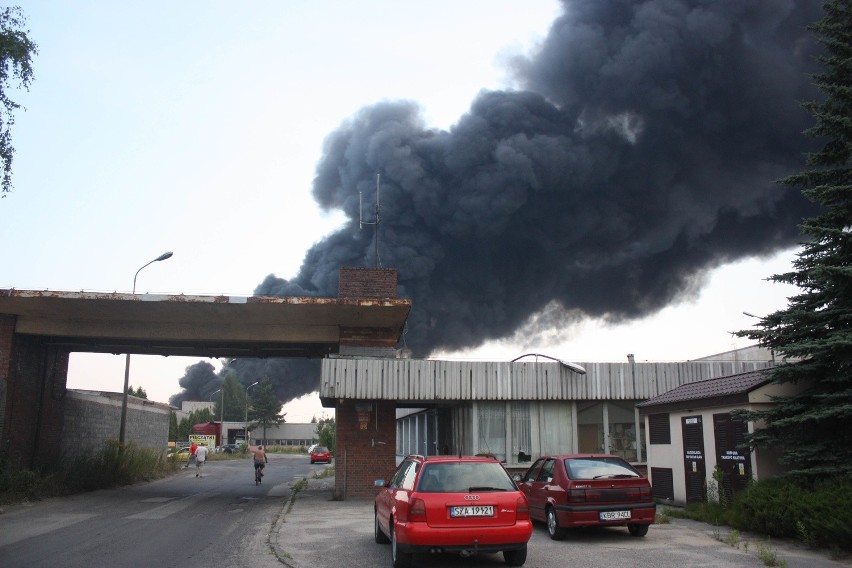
(582, 490)
(464, 505)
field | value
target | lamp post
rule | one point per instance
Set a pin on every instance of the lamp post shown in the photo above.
(221, 410)
(245, 418)
(123, 424)
(573, 366)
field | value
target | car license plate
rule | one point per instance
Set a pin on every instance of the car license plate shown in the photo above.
(472, 511)
(614, 515)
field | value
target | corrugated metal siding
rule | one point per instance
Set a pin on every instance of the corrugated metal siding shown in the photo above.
(413, 380)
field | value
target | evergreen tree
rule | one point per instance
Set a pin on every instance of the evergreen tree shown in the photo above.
(16, 51)
(811, 426)
(137, 392)
(201, 416)
(173, 426)
(265, 407)
(235, 400)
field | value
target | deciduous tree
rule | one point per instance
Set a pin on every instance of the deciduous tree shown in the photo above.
(16, 52)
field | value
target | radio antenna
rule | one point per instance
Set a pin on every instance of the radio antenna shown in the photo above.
(375, 222)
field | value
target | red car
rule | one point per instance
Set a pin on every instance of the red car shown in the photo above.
(464, 505)
(581, 490)
(320, 454)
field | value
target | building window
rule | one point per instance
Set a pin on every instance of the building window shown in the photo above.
(555, 429)
(590, 427)
(659, 429)
(622, 429)
(492, 429)
(521, 432)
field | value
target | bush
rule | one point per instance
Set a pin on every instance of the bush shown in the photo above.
(820, 513)
(109, 467)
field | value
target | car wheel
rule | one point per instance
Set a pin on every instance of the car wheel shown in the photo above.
(553, 529)
(381, 538)
(637, 530)
(515, 557)
(400, 559)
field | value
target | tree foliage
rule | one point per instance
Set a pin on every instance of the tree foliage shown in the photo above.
(264, 407)
(16, 51)
(812, 426)
(326, 430)
(200, 416)
(138, 392)
(235, 400)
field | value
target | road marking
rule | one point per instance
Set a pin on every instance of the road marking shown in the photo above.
(20, 531)
(168, 509)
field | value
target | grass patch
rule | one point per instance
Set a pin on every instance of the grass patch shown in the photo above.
(111, 466)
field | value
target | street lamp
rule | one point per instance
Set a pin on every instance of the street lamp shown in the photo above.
(123, 424)
(221, 411)
(245, 418)
(573, 366)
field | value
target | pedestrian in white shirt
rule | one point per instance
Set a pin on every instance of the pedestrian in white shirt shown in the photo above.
(200, 458)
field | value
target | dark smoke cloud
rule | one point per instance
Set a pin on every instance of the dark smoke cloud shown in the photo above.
(640, 153)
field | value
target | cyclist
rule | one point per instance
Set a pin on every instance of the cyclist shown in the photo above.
(260, 461)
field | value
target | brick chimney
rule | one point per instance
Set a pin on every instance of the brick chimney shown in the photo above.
(367, 283)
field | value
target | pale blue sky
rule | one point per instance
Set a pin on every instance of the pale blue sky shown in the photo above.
(195, 127)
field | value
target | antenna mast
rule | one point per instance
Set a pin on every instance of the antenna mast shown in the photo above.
(375, 222)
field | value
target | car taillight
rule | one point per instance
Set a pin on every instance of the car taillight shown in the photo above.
(522, 509)
(639, 493)
(581, 495)
(417, 510)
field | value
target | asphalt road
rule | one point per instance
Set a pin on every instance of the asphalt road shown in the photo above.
(223, 519)
(220, 519)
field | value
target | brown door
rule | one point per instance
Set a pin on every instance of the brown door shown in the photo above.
(732, 454)
(693, 458)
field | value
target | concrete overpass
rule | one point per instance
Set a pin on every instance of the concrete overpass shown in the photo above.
(39, 329)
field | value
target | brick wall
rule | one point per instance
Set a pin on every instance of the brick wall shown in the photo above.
(7, 330)
(92, 417)
(34, 393)
(363, 454)
(367, 283)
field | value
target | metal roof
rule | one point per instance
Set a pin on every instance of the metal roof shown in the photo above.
(209, 326)
(727, 387)
(415, 382)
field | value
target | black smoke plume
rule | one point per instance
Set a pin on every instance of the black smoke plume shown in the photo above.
(639, 153)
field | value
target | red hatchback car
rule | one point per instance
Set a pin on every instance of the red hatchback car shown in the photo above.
(464, 505)
(320, 454)
(581, 490)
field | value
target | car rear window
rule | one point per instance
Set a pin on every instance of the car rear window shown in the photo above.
(599, 468)
(319, 450)
(464, 477)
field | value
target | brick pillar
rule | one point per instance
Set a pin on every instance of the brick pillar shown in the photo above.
(7, 331)
(34, 398)
(366, 446)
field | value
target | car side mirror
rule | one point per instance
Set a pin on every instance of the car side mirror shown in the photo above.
(516, 478)
(379, 483)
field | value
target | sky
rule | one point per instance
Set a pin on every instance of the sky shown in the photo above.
(229, 135)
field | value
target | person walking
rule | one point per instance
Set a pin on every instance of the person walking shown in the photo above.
(191, 460)
(200, 458)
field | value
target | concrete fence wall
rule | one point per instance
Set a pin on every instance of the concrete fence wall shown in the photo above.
(93, 417)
